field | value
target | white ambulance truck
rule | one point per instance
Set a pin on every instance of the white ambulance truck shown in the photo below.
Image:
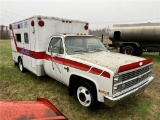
(63, 50)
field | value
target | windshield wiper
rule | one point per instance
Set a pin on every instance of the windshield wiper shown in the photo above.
(97, 50)
(80, 51)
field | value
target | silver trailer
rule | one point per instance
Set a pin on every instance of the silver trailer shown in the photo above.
(136, 38)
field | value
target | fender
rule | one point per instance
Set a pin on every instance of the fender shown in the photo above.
(100, 96)
(135, 43)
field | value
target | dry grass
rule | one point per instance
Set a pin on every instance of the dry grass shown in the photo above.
(15, 85)
(107, 41)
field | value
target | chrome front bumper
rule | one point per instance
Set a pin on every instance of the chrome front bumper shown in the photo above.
(131, 90)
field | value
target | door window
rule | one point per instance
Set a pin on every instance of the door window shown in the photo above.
(56, 45)
(18, 37)
(26, 40)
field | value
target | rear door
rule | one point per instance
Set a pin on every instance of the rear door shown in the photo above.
(32, 47)
(26, 45)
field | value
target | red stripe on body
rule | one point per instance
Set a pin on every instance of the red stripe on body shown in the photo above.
(17, 48)
(47, 57)
(133, 65)
(36, 55)
(59, 60)
(105, 74)
(76, 65)
(42, 55)
(33, 54)
(95, 71)
(67, 62)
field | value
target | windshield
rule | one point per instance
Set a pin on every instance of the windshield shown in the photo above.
(83, 44)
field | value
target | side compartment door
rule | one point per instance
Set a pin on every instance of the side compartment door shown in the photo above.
(54, 66)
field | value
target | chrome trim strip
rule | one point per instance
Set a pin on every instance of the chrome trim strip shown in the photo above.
(131, 90)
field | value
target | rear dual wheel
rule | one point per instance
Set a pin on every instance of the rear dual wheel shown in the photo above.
(140, 51)
(20, 65)
(129, 50)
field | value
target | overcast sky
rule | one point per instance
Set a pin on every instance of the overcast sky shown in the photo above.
(99, 13)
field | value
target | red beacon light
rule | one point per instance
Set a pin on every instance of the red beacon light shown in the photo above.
(39, 18)
(32, 23)
(18, 26)
(10, 27)
(41, 23)
(86, 26)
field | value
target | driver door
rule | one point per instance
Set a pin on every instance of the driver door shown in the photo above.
(56, 51)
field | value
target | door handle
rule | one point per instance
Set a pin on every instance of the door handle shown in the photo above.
(66, 68)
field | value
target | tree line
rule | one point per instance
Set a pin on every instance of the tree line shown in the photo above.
(99, 32)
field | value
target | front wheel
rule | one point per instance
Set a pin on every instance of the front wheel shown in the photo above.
(86, 95)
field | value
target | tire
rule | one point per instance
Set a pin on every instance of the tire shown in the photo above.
(20, 65)
(129, 50)
(139, 51)
(86, 95)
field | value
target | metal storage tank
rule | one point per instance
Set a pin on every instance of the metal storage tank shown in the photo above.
(144, 34)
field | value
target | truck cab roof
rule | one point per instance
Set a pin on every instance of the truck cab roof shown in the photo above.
(70, 34)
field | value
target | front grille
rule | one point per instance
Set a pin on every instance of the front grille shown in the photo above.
(136, 73)
(131, 78)
(133, 82)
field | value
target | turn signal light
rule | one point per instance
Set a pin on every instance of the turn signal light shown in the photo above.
(105, 92)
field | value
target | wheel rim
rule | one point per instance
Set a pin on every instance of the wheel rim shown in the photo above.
(84, 96)
(20, 66)
(128, 51)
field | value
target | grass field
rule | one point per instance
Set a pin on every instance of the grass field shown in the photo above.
(15, 85)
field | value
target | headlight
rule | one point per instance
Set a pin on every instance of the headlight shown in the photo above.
(116, 78)
(115, 87)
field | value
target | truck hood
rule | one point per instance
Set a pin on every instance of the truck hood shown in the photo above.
(108, 60)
